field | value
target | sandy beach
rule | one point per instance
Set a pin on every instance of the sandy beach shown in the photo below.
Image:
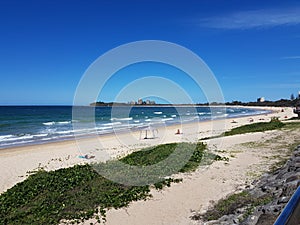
(172, 205)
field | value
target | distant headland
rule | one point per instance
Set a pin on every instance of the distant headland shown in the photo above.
(139, 102)
(293, 102)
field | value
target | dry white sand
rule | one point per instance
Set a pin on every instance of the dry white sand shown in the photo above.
(172, 205)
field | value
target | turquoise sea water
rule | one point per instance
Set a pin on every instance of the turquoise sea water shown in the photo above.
(23, 125)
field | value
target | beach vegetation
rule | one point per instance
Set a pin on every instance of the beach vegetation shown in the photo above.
(292, 125)
(78, 193)
(274, 124)
(231, 203)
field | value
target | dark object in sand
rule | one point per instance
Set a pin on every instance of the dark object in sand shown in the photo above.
(297, 111)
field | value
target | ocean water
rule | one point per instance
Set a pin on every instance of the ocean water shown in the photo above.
(25, 125)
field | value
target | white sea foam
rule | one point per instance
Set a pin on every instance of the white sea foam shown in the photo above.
(46, 139)
(49, 123)
(167, 119)
(17, 142)
(112, 124)
(121, 119)
(64, 122)
(125, 119)
(158, 113)
(104, 128)
(65, 132)
(104, 132)
(174, 116)
(221, 116)
(138, 125)
(60, 123)
(16, 138)
(4, 137)
(40, 135)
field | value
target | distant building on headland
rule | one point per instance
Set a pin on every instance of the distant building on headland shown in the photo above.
(141, 102)
(261, 99)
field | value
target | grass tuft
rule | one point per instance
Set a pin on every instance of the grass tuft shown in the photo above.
(230, 204)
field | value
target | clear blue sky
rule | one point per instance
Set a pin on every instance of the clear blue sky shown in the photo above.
(253, 47)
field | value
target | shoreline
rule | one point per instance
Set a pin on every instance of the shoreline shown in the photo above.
(84, 136)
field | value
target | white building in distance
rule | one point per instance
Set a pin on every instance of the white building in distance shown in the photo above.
(261, 99)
